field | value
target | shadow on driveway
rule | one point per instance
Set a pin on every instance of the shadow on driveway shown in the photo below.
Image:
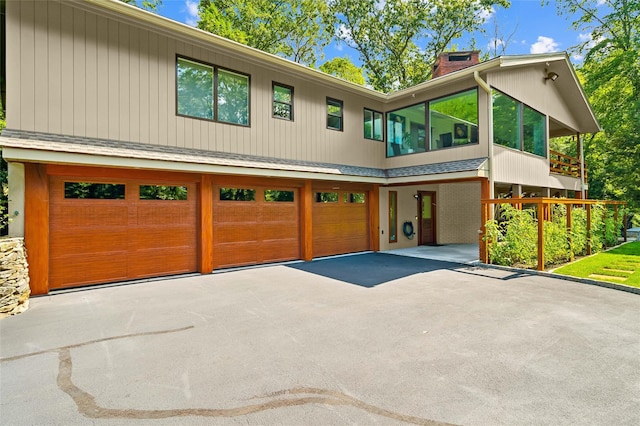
(371, 269)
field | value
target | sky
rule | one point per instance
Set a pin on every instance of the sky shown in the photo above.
(533, 28)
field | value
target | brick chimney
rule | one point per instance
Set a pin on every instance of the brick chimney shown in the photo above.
(449, 62)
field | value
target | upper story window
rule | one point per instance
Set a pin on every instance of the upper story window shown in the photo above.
(334, 114)
(226, 101)
(406, 130)
(283, 101)
(452, 121)
(517, 126)
(373, 125)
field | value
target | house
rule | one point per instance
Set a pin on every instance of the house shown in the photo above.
(139, 147)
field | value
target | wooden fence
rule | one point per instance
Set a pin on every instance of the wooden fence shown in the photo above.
(543, 211)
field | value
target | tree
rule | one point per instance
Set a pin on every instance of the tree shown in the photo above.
(151, 5)
(611, 73)
(343, 68)
(398, 40)
(295, 29)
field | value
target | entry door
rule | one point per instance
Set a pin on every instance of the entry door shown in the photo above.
(427, 215)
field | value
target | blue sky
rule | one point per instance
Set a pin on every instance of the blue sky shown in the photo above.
(535, 28)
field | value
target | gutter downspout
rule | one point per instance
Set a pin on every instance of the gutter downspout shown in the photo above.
(487, 88)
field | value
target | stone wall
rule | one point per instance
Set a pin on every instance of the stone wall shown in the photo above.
(14, 277)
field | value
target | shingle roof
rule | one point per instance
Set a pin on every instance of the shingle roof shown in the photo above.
(114, 148)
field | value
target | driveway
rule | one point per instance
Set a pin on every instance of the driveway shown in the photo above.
(430, 343)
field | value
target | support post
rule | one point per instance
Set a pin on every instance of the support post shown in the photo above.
(36, 226)
(540, 237)
(374, 218)
(483, 244)
(307, 221)
(205, 261)
(588, 207)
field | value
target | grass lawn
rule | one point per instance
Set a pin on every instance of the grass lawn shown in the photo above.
(620, 265)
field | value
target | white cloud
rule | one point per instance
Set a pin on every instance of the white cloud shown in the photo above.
(192, 12)
(544, 45)
(589, 40)
(485, 14)
(577, 57)
(496, 44)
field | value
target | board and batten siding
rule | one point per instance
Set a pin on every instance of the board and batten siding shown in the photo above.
(528, 85)
(74, 72)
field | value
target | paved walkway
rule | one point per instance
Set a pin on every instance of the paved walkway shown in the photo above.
(460, 253)
(280, 345)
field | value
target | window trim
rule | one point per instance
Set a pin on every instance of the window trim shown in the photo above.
(373, 129)
(341, 116)
(274, 101)
(215, 91)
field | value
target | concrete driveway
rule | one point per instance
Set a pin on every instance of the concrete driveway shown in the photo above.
(289, 345)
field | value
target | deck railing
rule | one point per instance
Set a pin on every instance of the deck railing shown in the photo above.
(565, 164)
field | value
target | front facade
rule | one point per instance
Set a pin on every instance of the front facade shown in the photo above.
(140, 147)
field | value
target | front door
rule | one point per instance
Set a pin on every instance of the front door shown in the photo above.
(427, 215)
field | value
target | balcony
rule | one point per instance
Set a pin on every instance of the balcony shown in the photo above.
(566, 165)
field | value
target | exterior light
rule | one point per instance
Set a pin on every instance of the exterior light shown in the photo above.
(551, 76)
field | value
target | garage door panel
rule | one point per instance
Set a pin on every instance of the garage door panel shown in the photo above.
(76, 213)
(340, 227)
(88, 241)
(95, 241)
(252, 232)
(85, 269)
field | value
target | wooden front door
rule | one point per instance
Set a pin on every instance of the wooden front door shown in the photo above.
(427, 215)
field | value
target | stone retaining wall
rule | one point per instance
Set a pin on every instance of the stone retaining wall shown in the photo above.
(14, 277)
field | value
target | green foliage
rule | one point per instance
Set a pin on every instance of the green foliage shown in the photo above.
(151, 5)
(4, 198)
(295, 29)
(90, 190)
(611, 79)
(399, 40)
(343, 68)
(513, 235)
(163, 192)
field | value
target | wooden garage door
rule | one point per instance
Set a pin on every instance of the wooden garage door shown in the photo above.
(253, 225)
(115, 230)
(340, 222)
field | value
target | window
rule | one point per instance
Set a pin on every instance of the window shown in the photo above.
(162, 192)
(406, 130)
(278, 196)
(393, 216)
(373, 125)
(94, 191)
(282, 101)
(354, 197)
(454, 120)
(334, 114)
(237, 194)
(517, 126)
(326, 197)
(226, 101)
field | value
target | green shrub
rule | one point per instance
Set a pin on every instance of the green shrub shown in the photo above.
(512, 240)
(579, 231)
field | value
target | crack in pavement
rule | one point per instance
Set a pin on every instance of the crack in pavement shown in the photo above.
(87, 405)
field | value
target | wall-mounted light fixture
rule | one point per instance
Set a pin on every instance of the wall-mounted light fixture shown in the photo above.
(415, 196)
(551, 76)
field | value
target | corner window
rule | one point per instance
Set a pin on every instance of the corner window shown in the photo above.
(334, 114)
(454, 120)
(406, 131)
(517, 126)
(373, 125)
(283, 101)
(225, 101)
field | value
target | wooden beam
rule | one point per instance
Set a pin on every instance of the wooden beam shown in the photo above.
(588, 229)
(205, 233)
(374, 218)
(36, 226)
(541, 211)
(306, 233)
(483, 244)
